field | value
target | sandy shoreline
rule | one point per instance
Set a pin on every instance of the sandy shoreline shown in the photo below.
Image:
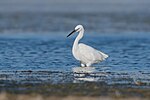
(7, 96)
(82, 91)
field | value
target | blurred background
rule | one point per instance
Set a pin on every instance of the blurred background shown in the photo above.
(101, 16)
(34, 50)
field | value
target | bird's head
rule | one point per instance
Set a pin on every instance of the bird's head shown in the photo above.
(78, 28)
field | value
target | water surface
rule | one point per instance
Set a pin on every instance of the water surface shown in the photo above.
(38, 58)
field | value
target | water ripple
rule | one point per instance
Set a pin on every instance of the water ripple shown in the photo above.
(50, 60)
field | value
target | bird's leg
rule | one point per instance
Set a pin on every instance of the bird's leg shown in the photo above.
(82, 65)
(88, 64)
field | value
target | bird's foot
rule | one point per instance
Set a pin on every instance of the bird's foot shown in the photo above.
(83, 65)
(88, 64)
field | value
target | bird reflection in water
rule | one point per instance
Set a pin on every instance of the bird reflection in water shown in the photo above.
(87, 74)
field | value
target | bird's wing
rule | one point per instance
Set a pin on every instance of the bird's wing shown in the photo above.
(91, 53)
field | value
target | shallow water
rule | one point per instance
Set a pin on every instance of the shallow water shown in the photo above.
(38, 58)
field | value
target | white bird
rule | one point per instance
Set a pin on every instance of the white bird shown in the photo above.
(84, 53)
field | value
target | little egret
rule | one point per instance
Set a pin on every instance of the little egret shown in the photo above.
(84, 53)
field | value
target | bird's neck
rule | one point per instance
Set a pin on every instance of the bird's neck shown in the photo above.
(76, 42)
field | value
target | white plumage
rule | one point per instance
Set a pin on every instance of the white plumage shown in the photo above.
(84, 53)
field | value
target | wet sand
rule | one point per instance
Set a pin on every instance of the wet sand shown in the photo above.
(4, 96)
(74, 91)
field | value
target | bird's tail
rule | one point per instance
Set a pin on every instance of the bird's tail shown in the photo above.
(104, 55)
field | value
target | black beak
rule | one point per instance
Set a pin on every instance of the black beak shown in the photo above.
(71, 33)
